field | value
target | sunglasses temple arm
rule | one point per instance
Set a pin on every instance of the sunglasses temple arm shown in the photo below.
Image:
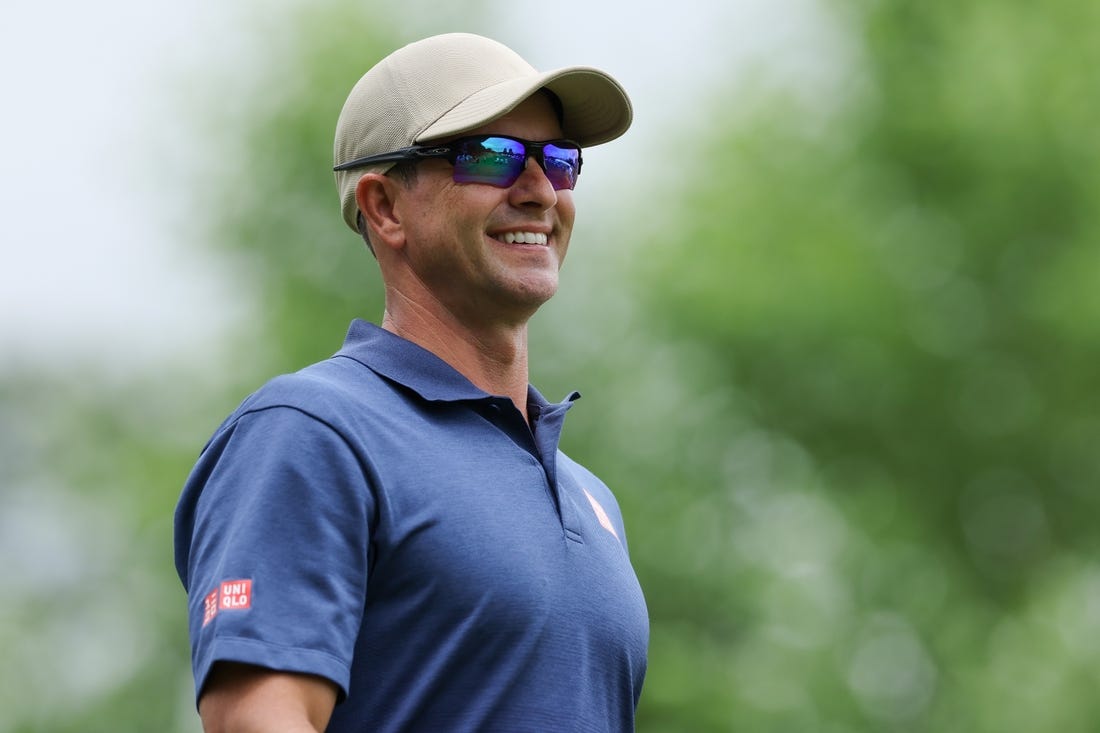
(413, 153)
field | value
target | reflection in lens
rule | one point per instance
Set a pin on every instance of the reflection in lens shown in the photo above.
(562, 165)
(497, 161)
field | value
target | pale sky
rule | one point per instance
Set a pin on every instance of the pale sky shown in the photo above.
(89, 269)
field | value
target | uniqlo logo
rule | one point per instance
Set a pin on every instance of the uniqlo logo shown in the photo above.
(231, 595)
(236, 595)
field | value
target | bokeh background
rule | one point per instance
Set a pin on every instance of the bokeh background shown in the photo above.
(832, 304)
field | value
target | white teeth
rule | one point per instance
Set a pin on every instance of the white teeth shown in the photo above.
(522, 238)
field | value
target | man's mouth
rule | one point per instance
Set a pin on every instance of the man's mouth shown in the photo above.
(521, 238)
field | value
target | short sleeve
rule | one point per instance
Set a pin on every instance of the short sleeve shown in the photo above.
(272, 538)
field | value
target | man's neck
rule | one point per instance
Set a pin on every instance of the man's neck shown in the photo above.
(492, 357)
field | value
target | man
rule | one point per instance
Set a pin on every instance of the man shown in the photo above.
(390, 540)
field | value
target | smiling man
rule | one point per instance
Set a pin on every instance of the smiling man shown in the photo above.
(390, 540)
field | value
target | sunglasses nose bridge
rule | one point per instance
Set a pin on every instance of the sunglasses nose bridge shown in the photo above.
(540, 172)
(536, 151)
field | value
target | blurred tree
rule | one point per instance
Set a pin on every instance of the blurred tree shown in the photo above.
(873, 503)
(92, 629)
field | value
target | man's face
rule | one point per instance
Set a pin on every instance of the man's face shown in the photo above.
(456, 232)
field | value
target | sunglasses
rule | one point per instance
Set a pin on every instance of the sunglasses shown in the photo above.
(498, 160)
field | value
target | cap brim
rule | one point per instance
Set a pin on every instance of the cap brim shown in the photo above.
(595, 108)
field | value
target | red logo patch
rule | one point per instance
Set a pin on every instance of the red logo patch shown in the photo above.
(231, 595)
(209, 608)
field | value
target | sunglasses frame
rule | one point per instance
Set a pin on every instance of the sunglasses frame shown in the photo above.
(452, 150)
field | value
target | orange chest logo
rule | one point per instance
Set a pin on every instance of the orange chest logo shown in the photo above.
(601, 515)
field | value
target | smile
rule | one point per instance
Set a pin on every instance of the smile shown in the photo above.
(521, 238)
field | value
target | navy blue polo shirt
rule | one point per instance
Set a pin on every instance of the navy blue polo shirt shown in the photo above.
(378, 520)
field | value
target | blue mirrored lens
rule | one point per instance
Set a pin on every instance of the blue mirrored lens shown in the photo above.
(562, 165)
(499, 161)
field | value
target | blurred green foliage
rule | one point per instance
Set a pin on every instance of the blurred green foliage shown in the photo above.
(889, 286)
(838, 367)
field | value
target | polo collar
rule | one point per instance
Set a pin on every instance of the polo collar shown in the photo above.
(418, 369)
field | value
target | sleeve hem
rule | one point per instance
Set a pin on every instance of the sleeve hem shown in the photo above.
(274, 657)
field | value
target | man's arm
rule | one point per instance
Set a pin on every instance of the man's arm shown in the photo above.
(242, 698)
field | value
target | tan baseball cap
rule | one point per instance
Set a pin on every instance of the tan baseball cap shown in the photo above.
(448, 84)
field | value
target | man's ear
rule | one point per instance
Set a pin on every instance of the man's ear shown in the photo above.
(376, 196)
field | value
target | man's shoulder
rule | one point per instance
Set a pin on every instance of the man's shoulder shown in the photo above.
(323, 389)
